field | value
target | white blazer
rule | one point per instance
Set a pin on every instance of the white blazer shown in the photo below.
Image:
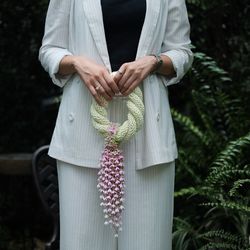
(75, 27)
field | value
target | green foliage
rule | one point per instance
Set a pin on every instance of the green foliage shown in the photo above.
(229, 241)
(213, 172)
(184, 235)
(221, 29)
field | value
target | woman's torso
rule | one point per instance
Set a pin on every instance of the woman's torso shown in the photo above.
(74, 131)
(123, 21)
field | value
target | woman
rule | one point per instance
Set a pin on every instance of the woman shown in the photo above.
(147, 42)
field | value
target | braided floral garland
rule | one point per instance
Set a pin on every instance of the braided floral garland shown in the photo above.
(111, 174)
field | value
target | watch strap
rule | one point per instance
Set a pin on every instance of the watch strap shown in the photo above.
(158, 63)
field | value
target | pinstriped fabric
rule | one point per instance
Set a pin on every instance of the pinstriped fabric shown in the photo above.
(148, 214)
(76, 27)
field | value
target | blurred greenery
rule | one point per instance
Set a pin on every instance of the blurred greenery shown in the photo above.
(210, 108)
(212, 122)
(212, 197)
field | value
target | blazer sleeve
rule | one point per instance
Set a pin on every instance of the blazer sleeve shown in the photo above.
(176, 44)
(55, 40)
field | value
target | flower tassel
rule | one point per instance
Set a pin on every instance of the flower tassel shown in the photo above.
(111, 181)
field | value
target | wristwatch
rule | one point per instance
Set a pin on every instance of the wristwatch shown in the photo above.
(158, 63)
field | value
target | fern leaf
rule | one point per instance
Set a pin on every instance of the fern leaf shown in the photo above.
(223, 235)
(229, 205)
(238, 184)
(185, 191)
(188, 125)
(213, 245)
(228, 158)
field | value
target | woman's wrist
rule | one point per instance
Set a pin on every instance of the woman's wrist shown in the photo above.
(150, 62)
(76, 63)
(167, 67)
(158, 63)
(67, 65)
(71, 64)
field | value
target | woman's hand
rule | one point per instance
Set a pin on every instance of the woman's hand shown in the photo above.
(131, 74)
(94, 75)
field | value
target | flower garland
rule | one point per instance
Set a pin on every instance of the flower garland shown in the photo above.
(111, 180)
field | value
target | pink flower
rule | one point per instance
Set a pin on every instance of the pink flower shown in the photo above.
(111, 181)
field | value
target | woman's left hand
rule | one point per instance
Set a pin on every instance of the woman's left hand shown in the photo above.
(131, 74)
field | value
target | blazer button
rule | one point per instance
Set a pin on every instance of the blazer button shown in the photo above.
(158, 117)
(71, 117)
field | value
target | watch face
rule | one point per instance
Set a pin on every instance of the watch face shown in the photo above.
(159, 63)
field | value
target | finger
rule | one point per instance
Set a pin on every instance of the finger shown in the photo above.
(106, 87)
(118, 76)
(101, 90)
(96, 95)
(127, 84)
(124, 79)
(123, 75)
(131, 88)
(112, 83)
(103, 93)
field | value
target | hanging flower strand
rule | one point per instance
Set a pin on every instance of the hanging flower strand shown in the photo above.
(111, 174)
(111, 182)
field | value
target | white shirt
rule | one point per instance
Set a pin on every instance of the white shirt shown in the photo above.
(75, 27)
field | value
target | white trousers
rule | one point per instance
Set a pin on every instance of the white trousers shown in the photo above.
(147, 217)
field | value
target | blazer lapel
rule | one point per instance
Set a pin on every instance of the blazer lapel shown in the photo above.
(151, 18)
(93, 12)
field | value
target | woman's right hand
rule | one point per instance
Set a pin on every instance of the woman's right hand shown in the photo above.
(94, 75)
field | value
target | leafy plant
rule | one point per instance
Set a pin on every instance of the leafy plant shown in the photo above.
(213, 173)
